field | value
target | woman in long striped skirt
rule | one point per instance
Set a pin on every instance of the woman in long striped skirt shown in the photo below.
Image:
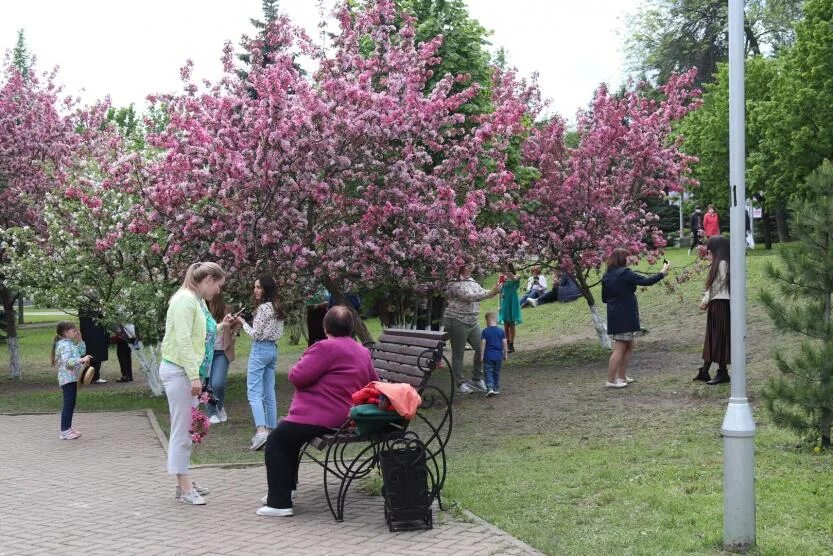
(717, 345)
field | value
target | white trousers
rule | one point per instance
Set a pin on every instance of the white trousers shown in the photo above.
(180, 402)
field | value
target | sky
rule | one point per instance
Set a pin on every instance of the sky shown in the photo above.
(129, 53)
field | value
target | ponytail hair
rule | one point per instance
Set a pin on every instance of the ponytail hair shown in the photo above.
(60, 331)
(198, 272)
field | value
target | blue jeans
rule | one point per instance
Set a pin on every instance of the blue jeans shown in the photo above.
(260, 384)
(534, 294)
(217, 380)
(492, 371)
(70, 390)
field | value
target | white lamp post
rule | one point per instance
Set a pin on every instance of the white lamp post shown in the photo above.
(738, 424)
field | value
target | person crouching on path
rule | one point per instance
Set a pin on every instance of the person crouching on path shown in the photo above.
(266, 329)
(187, 353)
(619, 292)
(494, 350)
(460, 321)
(68, 355)
(717, 346)
(325, 378)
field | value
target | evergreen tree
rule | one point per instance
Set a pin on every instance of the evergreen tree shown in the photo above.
(21, 58)
(801, 398)
(270, 15)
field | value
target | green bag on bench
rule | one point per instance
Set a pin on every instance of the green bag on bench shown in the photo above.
(370, 419)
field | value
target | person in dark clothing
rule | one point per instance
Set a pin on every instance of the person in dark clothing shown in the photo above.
(717, 346)
(124, 338)
(619, 292)
(316, 307)
(696, 227)
(566, 290)
(96, 338)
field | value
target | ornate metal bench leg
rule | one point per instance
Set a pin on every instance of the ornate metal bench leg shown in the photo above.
(327, 472)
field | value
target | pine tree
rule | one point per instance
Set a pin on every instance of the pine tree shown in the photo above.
(20, 55)
(270, 15)
(801, 398)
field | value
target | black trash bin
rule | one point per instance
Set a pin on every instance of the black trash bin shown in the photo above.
(408, 485)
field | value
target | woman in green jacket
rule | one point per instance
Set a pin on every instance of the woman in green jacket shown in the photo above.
(187, 351)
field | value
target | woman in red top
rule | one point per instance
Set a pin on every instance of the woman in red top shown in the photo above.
(711, 223)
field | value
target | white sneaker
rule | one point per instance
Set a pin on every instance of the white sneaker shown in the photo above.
(223, 415)
(101, 381)
(70, 434)
(201, 491)
(215, 420)
(616, 384)
(478, 385)
(266, 511)
(293, 495)
(193, 498)
(489, 393)
(627, 379)
(258, 441)
(465, 388)
(533, 302)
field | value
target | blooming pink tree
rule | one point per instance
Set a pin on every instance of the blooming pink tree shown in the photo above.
(590, 200)
(37, 140)
(351, 176)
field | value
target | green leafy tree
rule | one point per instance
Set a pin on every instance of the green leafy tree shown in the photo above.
(706, 131)
(801, 398)
(465, 46)
(797, 122)
(668, 36)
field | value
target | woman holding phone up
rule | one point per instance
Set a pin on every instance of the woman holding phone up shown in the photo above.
(619, 292)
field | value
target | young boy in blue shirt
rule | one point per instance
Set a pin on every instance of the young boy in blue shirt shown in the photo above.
(494, 351)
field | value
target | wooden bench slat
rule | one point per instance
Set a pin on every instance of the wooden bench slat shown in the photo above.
(410, 370)
(425, 334)
(412, 360)
(404, 340)
(391, 376)
(381, 347)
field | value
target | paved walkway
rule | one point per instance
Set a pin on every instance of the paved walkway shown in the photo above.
(108, 493)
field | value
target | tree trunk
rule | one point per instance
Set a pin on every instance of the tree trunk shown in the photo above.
(765, 224)
(825, 420)
(20, 309)
(601, 329)
(361, 329)
(781, 222)
(11, 332)
(595, 318)
(149, 363)
(826, 416)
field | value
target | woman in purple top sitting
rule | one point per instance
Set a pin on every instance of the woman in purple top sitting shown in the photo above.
(325, 378)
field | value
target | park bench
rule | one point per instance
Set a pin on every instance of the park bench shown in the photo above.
(400, 356)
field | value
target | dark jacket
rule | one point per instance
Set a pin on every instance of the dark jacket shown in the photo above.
(95, 336)
(696, 223)
(619, 292)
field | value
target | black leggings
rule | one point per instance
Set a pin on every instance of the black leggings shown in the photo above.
(70, 394)
(283, 451)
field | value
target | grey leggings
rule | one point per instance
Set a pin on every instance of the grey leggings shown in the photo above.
(461, 334)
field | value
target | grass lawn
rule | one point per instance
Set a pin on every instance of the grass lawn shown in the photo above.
(557, 460)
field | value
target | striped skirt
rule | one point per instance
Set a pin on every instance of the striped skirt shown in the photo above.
(717, 347)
